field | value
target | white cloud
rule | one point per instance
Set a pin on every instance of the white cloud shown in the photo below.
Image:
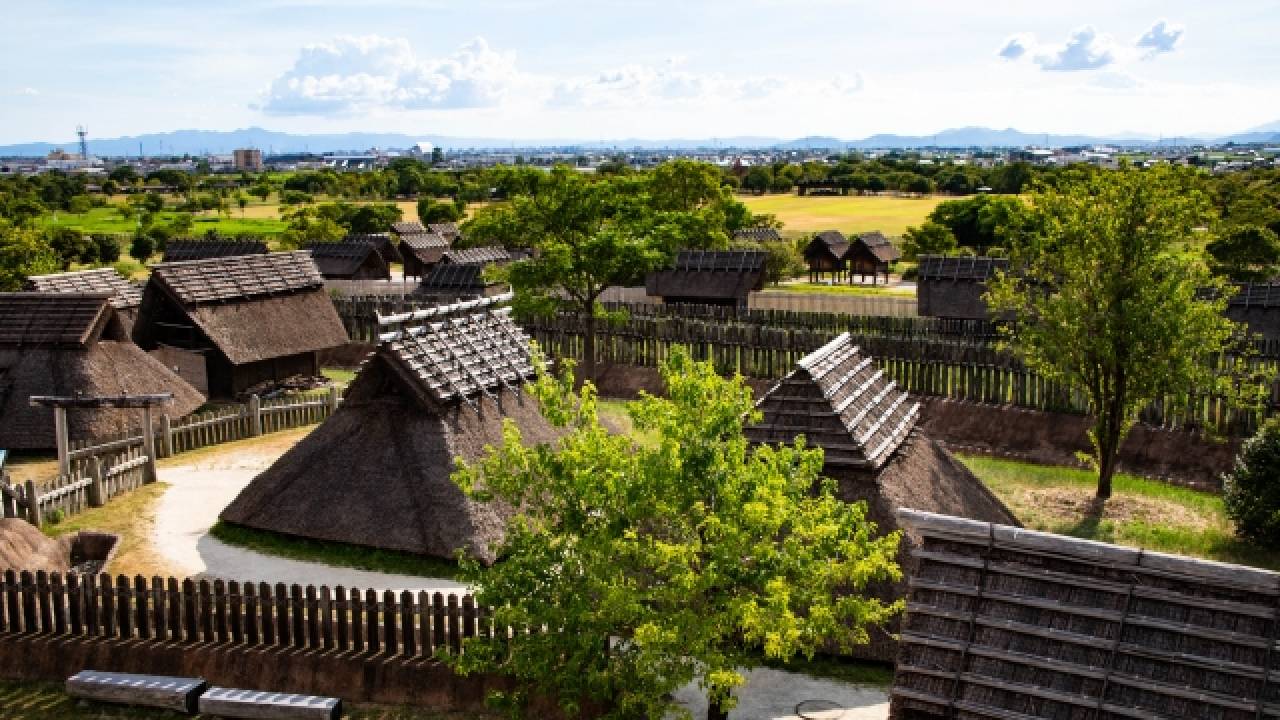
(28, 91)
(355, 74)
(1084, 50)
(1160, 38)
(1016, 46)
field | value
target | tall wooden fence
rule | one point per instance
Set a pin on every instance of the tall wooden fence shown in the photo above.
(246, 614)
(102, 470)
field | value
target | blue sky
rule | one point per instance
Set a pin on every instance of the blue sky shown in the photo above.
(638, 68)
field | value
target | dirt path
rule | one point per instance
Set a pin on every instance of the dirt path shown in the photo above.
(202, 484)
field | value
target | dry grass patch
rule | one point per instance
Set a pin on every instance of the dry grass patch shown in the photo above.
(849, 214)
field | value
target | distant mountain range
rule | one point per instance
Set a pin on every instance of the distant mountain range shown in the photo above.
(198, 142)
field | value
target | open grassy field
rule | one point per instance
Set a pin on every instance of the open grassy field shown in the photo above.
(848, 214)
(1141, 513)
(808, 288)
(107, 220)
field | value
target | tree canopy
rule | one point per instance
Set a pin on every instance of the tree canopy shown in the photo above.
(654, 565)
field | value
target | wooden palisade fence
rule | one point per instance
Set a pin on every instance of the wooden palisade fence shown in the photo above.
(251, 615)
(100, 471)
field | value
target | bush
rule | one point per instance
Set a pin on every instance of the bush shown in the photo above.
(142, 248)
(1252, 490)
(108, 249)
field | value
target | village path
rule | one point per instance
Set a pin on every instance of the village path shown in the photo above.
(771, 694)
(200, 488)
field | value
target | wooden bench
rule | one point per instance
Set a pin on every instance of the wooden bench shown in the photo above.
(233, 703)
(169, 693)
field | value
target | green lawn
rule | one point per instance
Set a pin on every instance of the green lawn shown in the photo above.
(340, 376)
(107, 220)
(1141, 513)
(848, 214)
(808, 288)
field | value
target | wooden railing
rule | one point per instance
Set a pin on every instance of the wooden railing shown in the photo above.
(240, 614)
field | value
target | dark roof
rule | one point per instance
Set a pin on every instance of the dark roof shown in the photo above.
(52, 318)
(424, 241)
(731, 261)
(457, 359)
(447, 229)
(124, 294)
(842, 402)
(181, 250)
(1258, 294)
(1004, 622)
(343, 259)
(879, 246)
(938, 267)
(757, 234)
(238, 278)
(380, 241)
(477, 256)
(407, 228)
(832, 242)
(448, 277)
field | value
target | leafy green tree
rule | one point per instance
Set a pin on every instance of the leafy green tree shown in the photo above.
(72, 246)
(142, 247)
(79, 205)
(1251, 493)
(437, 156)
(431, 210)
(243, 201)
(24, 252)
(783, 261)
(108, 249)
(661, 564)
(930, 238)
(1105, 304)
(154, 201)
(1245, 253)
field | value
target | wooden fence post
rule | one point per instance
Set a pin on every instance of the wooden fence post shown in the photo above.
(333, 399)
(33, 503)
(62, 438)
(166, 435)
(255, 416)
(97, 489)
(148, 446)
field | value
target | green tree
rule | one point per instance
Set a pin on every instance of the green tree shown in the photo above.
(79, 205)
(1104, 302)
(1251, 493)
(24, 252)
(142, 247)
(930, 238)
(661, 564)
(431, 210)
(783, 261)
(243, 201)
(1245, 253)
(108, 249)
(72, 246)
(154, 201)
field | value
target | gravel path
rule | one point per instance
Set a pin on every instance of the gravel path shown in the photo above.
(778, 695)
(200, 489)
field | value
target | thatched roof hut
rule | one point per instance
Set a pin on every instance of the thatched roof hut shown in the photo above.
(65, 344)
(377, 473)
(871, 253)
(840, 401)
(126, 296)
(1004, 622)
(188, 249)
(448, 230)
(421, 252)
(380, 241)
(250, 318)
(477, 255)
(757, 234)
(952, 287)
(408, 228)
(825, 254)
(709, 277)
(446, 282)
(349, 260)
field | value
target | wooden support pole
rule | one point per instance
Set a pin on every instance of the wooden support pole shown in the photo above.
(148, 446)
(62, 437)
(255, 416)
(33, 503)
(166, 435)
(333, 399)
(97, 488)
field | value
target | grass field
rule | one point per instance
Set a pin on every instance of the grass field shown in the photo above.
(1141, 513)
(808, 288)
(848, 214)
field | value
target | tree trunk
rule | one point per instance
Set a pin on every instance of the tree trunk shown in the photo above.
(589, 347)
(714, 712)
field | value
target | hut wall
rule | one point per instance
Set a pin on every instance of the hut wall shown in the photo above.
(227, 380)
(1262, 320)
(951, 299)
(189, 365)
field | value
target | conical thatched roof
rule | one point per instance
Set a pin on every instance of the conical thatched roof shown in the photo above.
(64, 344)
(377, 473)
(840, 401)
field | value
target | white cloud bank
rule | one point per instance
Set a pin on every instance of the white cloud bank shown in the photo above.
(1161, 38)
(1087, 49)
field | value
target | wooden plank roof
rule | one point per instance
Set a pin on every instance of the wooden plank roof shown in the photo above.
(408, 228)
(448, 229)
(842, 402)
(477, 255)
(732, 261)
(757, 234)
(938, 267)
(124, 294)
(446, 276)
(424, 241)
(239, 278)
(1257, 294)
(1004, 622)
(457, 359)
(67, 319)
(182, 250)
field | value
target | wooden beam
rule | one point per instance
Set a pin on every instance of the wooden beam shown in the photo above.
(102, 401)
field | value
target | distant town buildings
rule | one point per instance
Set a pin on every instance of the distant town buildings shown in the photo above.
(249, 159)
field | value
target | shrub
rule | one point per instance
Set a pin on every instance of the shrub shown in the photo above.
(1252, 490)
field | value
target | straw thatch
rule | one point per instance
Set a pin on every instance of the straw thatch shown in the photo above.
(712, 277)
(349, 260)
(64, 344)
(183, 250)
(1009, 623)
(125, 295)
(826, 251)
(377, 473)
(24, 547)
(255, 318)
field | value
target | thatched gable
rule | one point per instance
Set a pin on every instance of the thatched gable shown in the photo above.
(421, 251)
(841, 401)
(183, 250)
(349, 260)
(380, 242)
(828, 245)
(1004, 622)
(253, 317)
(717, 277)
(876, 245)
(477, 255)
(64, 344)
(377, 473)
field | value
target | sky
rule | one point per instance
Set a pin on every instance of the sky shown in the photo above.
(652, 69)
